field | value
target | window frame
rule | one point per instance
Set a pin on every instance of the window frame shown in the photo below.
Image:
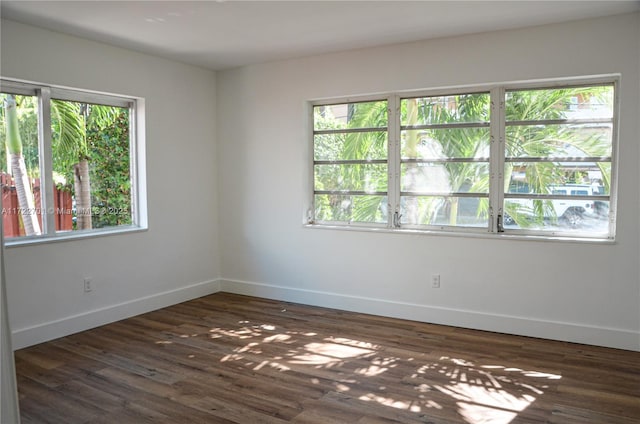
(44, 93)
(441, 93)
(351, 100)
(497, 160)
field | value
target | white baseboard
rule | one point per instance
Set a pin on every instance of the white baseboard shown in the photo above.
(568, 332)
(30, 336)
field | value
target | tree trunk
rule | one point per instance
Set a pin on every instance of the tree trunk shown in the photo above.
(19, 170)
(453, 212)
(82, 187)
(25, 196)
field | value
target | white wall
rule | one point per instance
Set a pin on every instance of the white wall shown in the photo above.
(178, 257)
(569, 291)
(578, 292)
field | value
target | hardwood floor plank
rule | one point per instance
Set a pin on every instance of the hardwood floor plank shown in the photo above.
(229, 359)
(49, 405)
(563, 414)
(220, 411)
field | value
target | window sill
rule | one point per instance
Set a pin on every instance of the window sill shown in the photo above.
(71, 236)
(466, 233)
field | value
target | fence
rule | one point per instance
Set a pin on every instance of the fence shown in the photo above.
(11, 218)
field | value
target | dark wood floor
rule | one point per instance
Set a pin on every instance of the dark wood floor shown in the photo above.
(233, 359)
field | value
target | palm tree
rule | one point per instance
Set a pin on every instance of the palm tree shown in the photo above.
(352, 162)
(71, 151)
(459, 152)
(18, 168)
(537, 147)
(527, 141)
(70, 121)
(461, 144)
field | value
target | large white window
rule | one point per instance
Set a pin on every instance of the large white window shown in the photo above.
(68, 163)
(534, 159)
(350, 162)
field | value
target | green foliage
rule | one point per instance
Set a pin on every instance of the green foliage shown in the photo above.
(454, 158)
(68, 128)
(27, 111)
(466, 108)
(108, 153)
(99, 134)
(370, 144)
(551, 140)
(80, 131)
(461, 143)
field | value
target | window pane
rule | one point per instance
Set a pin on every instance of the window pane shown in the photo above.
(445, 143)
(445, 109)
(351, 208)
(560, 178)
(557, 215)
(563, 103)
(452, 177)
(91, 161)
(586, 140)
(590, 136)
(350, 146)
(350, 115)
(353, 177)
(20, 166)
(449, 211)
(352, 136)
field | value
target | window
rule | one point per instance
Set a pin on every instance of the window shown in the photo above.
(444, 160)
(68, 162)
(350, 162)
(559, 146)
(521, 159)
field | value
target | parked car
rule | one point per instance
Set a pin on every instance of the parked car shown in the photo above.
(568, 211)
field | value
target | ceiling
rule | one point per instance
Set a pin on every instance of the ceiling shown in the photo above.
(225, 34)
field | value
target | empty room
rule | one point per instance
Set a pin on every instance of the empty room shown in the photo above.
(320, 212)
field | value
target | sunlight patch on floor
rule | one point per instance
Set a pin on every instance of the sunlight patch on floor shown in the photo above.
(371, 371)
(480, 414)
(277, 338)
(327, 353)
(487, 396)
(406, 405)
(482, 394)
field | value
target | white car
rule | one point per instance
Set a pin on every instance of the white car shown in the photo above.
(569, 211)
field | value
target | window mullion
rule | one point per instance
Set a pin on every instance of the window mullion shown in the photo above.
(496, 160)
(613, 185)
(393, 162)
(46, 161)
(309, 214)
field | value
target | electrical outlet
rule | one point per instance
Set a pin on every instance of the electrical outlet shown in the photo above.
(435, 281)
(88, 285)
